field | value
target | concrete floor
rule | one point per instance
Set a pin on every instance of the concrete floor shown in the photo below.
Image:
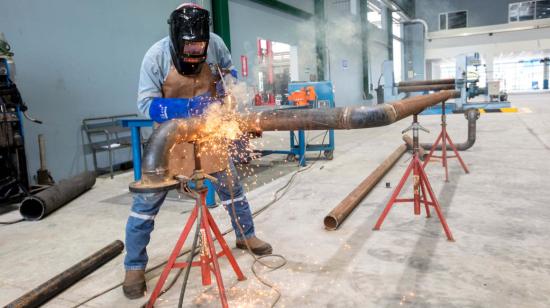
(498, 214)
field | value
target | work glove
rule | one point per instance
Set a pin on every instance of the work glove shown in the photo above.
(164, 109)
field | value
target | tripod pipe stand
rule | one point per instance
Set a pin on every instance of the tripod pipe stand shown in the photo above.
(443, 138)
(208, 255)
(421, 185)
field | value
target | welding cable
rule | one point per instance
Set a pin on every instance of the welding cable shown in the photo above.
(256, 258)
(276, 198)
(11, 222)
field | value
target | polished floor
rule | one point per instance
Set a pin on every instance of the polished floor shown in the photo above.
(499, 215)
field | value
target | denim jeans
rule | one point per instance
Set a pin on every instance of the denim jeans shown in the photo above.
(145, 206)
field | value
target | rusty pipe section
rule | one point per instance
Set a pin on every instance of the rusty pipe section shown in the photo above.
(155, 159)
(425, 82)
(426, 87)
(49, 289)
(337, 216)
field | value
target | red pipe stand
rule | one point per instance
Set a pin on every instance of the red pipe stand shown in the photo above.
(443, 138)
(421, 185)
(208, 255)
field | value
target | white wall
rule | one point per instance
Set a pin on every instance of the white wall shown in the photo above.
(495, 40)
(78, 59)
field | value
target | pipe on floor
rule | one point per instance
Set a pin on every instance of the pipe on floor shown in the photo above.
(337, 216)
(63, 281)
(409, 142)
(426, 82)
(43, 203)
(471, 115)
(427, 87)
(155, 159)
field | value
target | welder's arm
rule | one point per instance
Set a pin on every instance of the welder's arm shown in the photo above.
(150, 82)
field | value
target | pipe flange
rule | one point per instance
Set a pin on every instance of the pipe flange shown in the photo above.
(139, 187)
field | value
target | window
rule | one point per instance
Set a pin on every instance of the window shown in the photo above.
(521, 11)
(374, 14)
(542, 9)
(396, 24)
(453, 20)
(528, 10)
(397, 46)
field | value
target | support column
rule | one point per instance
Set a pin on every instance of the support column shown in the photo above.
(220, 19)
(389, 31)
(489, 66)
(320, 38)
(363, 10)
(546, 62)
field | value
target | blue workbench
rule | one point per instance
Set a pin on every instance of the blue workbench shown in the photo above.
(299, 146)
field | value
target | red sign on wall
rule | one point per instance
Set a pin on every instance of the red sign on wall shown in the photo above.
(244, 66)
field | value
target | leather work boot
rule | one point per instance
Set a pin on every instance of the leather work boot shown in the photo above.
(134, 284)
(257, 246)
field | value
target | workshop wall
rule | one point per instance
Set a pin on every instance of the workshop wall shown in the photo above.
(78, 59)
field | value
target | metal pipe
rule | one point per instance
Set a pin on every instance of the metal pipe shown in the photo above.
(423, 22)
(471, 115)
(335, 218)
(63, 281)
(43, 203)
(422, 88)
(425, 82)
(155, 159)
(409, 142)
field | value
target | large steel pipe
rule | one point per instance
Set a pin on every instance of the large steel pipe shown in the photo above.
(155, 160)
(43, 203)
(335, 218)
(425, 82)
(61, 282)
(471, 115)
(428, 87)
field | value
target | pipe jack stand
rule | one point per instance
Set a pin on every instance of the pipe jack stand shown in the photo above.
(208, 256)
(443, 138)
(421, 185)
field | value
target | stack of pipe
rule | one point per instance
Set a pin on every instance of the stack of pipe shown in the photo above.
(426, 85)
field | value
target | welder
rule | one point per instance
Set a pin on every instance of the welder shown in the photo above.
(179, 78)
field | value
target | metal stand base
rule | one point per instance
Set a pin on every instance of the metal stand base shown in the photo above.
(421, 185)
(444, 138)
(208, 255)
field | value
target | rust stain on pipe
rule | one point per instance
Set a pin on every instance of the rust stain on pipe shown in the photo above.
(335, 218)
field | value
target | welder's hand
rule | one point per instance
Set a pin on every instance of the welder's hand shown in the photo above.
(164, 109)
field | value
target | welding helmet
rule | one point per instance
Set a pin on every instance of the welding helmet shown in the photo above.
(189, 36)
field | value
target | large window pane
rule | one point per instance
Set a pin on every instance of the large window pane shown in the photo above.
(543, 9)
(374, 15)
(457, 20)
(397, 60)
